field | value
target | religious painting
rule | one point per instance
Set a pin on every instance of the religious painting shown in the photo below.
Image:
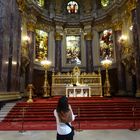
(106, 44)
(73, 50)
(41, 50)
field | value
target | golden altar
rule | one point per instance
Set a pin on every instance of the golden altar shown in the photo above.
(78, 91)
(60, 82)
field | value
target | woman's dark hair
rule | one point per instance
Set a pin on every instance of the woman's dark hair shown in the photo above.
(62, 105)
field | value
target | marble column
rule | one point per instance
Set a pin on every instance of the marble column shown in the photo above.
(136, 34)
(31, 35)
(120, 67)
(10, 54)
(58, 58)
(1, 34)
(89, 55)
(10, 32)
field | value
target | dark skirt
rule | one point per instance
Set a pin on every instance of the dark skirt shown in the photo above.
(66, 137)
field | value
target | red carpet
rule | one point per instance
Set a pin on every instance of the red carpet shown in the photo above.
(95, 113)
(85, 125)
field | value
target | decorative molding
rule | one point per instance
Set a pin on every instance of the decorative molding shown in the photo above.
(7, 96)
(73, 31)
(131, 4)
(31, 22)
(44, 27)
(21, 5)
(117, 26)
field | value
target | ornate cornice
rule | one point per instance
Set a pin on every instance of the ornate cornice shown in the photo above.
(104, 24)
(44, 26)
(73, 31)
(21, 5)
(31, 22)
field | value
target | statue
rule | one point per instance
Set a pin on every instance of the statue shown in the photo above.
(76, 72)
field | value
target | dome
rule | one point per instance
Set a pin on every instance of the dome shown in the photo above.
(73, 13)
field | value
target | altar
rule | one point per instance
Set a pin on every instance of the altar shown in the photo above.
(76, 84)
(78, 91)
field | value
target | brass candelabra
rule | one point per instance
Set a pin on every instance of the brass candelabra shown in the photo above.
(46, 64)
(30, 88)
(106, 63)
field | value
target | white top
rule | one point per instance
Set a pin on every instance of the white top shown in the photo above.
(62, 128)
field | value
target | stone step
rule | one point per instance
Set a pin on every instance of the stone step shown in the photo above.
(5, 110)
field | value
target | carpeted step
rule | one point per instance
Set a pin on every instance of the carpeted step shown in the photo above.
(87, 109)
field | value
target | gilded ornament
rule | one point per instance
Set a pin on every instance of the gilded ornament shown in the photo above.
(21, 5)
(131, 5)
(117, 26)
(31, 23)
(30, 27)
(58, 36)
(88, 36)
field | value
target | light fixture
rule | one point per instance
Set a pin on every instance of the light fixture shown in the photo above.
(30, 88)
(131, 28)
(26, 38)
(122, 39)
(46, 64)
(106, 63)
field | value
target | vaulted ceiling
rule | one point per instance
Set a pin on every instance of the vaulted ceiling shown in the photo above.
(90, 11)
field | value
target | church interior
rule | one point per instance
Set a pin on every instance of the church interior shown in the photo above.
(86, 50)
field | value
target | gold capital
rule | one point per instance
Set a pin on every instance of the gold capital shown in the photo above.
(88, 36)
(58, 36)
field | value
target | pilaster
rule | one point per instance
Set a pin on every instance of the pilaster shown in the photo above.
(58, 49)
(31, 24)
(88, 42)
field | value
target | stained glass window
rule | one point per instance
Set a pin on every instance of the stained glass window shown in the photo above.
(40, 2)
(72, 7)
(41, 45)
(73, 51)
(106, 44)
(104, 3)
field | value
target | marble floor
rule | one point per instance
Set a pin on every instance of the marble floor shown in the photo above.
(115, 134)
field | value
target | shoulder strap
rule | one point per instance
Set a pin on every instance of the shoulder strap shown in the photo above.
(68, 124)
(72, 128)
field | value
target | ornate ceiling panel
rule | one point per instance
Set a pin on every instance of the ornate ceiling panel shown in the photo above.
(89, 11)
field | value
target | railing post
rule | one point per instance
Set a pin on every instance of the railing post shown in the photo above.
(134, 119)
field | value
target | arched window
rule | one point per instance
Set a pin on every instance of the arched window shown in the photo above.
(40, 3)
(106, 44)
(72, 7)
(104, 3)
(73, 49)
(41, 50)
